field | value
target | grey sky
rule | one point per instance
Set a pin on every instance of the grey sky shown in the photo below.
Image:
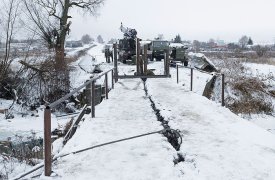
(192, 19)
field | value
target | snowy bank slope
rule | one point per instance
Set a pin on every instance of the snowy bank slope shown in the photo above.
(126, 113)
(217, 143)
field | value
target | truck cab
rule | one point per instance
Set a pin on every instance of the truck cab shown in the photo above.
(158, 49)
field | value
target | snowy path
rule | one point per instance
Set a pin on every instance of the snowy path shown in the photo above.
(126, 113)
(216, 143)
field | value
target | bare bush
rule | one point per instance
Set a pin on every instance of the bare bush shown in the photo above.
(244, 94)
(260, 50)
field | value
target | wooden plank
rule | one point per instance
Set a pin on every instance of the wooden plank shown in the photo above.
(115, 62)
(106, 86)
(223, 104)
(93, 99)
(145, 58)
(74, 126)
(47, 142)
(141, 76)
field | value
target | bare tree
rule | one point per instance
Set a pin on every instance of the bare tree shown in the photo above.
(86, 39)
(9, 13)
(196, 45)
(243, 41)
(56, 26)
(100, 39)
(51, 20)
(260, 50)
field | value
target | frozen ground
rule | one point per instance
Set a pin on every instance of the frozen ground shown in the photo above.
(216, 143)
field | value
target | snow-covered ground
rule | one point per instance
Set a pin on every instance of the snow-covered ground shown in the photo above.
(267, 72)
(217, 144)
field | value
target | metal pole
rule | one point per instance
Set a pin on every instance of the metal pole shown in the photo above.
(164, 61)
(177, 74)
(191, 85)
(223, 90)
(167, 63)
(137, 56)
(115, 61)
(93, 99)
(47, 141)
(106, 86)
(145, 57)
(112, 79)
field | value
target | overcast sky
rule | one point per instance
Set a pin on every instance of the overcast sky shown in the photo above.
(193, 19)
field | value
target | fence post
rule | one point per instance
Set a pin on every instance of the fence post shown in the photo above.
(112, 72)
(106, 86)
(145, 57)
(47, 141)
(93, 99)
(137, 56)
(115, 62)
(223, 90)
(191, 85)
(177, 74)
(167, 63)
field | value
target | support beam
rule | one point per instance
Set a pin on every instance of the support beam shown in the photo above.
(106, 86)
(191, 81)
(143, 76)
(47, 142)
(115, 62)
(112, 79)
(177, 74)
(145, 58)
(223, 104)
(93, 99)
(137, 56)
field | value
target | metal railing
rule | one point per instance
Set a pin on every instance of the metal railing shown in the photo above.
(192, 79)
(47, 114)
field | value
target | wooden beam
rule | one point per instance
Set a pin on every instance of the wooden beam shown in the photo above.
(142, 76)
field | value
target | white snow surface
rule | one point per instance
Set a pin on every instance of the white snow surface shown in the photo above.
(217, 144)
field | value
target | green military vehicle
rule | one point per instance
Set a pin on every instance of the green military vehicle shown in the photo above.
(178, 53)
(157, 49)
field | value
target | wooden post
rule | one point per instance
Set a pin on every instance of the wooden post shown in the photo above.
(112, 72)
(177, 74)
(141, 65)
(115, 62)
(145, 57)
(223, 104)
(137, 56)
(167, 62)
(164, 65)
(93, 99)
(47, 142)
(106, 86)
(191, 84)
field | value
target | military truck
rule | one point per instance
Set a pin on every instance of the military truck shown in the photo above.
(157, 49)
(178, 53)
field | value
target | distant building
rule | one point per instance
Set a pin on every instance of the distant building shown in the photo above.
(74, 44)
